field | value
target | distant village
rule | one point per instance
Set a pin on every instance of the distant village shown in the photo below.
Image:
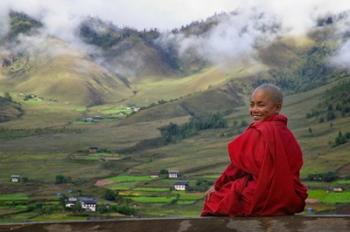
(89, 203)
(73, 201)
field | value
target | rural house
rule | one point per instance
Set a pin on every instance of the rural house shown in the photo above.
(16, 178)
(173, 174)
(93, 149)
(71, 201)
(181, 185)
(87, 203)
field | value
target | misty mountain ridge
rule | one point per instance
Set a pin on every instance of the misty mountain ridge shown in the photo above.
(107, 62)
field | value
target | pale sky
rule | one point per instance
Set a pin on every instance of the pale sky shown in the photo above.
(167, 14)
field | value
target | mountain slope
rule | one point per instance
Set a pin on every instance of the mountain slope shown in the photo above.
(126, 51)
(65, 75)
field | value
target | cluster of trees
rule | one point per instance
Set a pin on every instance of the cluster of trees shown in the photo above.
(106, 34)
(327, 114)
(89, 31)
(61, 179)
(111, 195)
(335, 104)
(201, 185)
(164, 173)
(311, 72)
(29, 97)
(326, 177)
(173, 132)
(341, 138)
(22, 23)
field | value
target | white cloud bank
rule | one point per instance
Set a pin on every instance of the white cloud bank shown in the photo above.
(61, 18)
(60, 15)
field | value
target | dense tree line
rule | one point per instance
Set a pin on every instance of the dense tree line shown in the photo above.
(22, 23)
(326, 177)
(311, 70)
(201, 185)
(336, 103)
(90, 32)
(61, 179)
(174, 132)
(341, 139)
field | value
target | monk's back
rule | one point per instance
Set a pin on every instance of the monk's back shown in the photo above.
(290, 145)
(263, 176)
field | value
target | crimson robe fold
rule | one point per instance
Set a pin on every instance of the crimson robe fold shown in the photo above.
(263, 176)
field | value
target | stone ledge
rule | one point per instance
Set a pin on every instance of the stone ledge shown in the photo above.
(339, 223)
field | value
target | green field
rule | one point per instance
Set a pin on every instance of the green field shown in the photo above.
(14, 197)
(129, 178)
(330, 197)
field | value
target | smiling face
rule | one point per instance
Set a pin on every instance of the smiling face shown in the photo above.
(262, 105)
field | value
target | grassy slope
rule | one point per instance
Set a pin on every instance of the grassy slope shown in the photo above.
(207, 150)
(149, 91)
(206, 153)
(66, 76)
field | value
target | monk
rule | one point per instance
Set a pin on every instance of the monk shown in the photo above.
(262, 178)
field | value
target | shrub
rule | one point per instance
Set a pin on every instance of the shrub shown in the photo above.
(61, 179)
(111, 195)
(174, 132)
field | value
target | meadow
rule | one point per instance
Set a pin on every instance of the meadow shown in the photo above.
(47, 141)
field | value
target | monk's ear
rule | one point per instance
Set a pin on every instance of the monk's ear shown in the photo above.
(278, 107)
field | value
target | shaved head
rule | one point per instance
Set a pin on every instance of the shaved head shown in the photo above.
(266, 101)
(272, 90)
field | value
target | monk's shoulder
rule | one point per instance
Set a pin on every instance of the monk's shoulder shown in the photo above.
(251, 132)
(267, 130)
(260, 127)
(251, 137)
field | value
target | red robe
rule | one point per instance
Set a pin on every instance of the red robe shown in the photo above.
(263, 176)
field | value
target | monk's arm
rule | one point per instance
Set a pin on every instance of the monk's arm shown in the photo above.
(229, 174)
(243, 152)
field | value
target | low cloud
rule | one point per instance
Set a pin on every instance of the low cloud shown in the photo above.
(254, 23)
(233, 37)
(342, 57)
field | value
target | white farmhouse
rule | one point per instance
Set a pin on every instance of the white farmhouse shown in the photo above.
(181, 185)
(15, 178)
(173, 174)
(88, 203)
(71, 202)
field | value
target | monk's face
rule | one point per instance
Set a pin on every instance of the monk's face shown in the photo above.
(262, 105)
